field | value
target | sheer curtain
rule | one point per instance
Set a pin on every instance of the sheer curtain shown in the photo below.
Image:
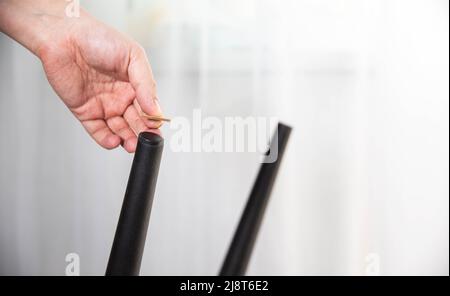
(363, 83)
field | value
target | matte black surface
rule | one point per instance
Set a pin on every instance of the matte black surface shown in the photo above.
(241, 247)
(129, 240)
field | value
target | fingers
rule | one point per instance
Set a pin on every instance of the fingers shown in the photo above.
(135, 121)
(121, 128)
(107, 104)
(101, 133)
(129, 126)
(150, 123)
(118, 129)
(141, 78)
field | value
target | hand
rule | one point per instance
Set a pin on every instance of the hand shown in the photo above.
(102, 76)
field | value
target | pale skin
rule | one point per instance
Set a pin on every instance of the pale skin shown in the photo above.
(101, 75)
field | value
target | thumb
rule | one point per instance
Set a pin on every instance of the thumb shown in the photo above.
(141, 78)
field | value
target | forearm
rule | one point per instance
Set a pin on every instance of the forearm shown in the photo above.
(29, 21)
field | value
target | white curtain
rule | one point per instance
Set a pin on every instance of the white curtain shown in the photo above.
(363, 83)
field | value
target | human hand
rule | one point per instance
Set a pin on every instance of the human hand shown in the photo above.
(102, 76)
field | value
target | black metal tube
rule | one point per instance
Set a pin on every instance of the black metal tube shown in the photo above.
(241, 247)
(129, 240)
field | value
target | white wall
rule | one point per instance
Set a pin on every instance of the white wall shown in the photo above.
(363, 83)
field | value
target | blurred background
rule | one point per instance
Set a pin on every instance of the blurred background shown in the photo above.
(364, 84)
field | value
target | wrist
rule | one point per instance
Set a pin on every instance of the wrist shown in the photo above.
(34, 23)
